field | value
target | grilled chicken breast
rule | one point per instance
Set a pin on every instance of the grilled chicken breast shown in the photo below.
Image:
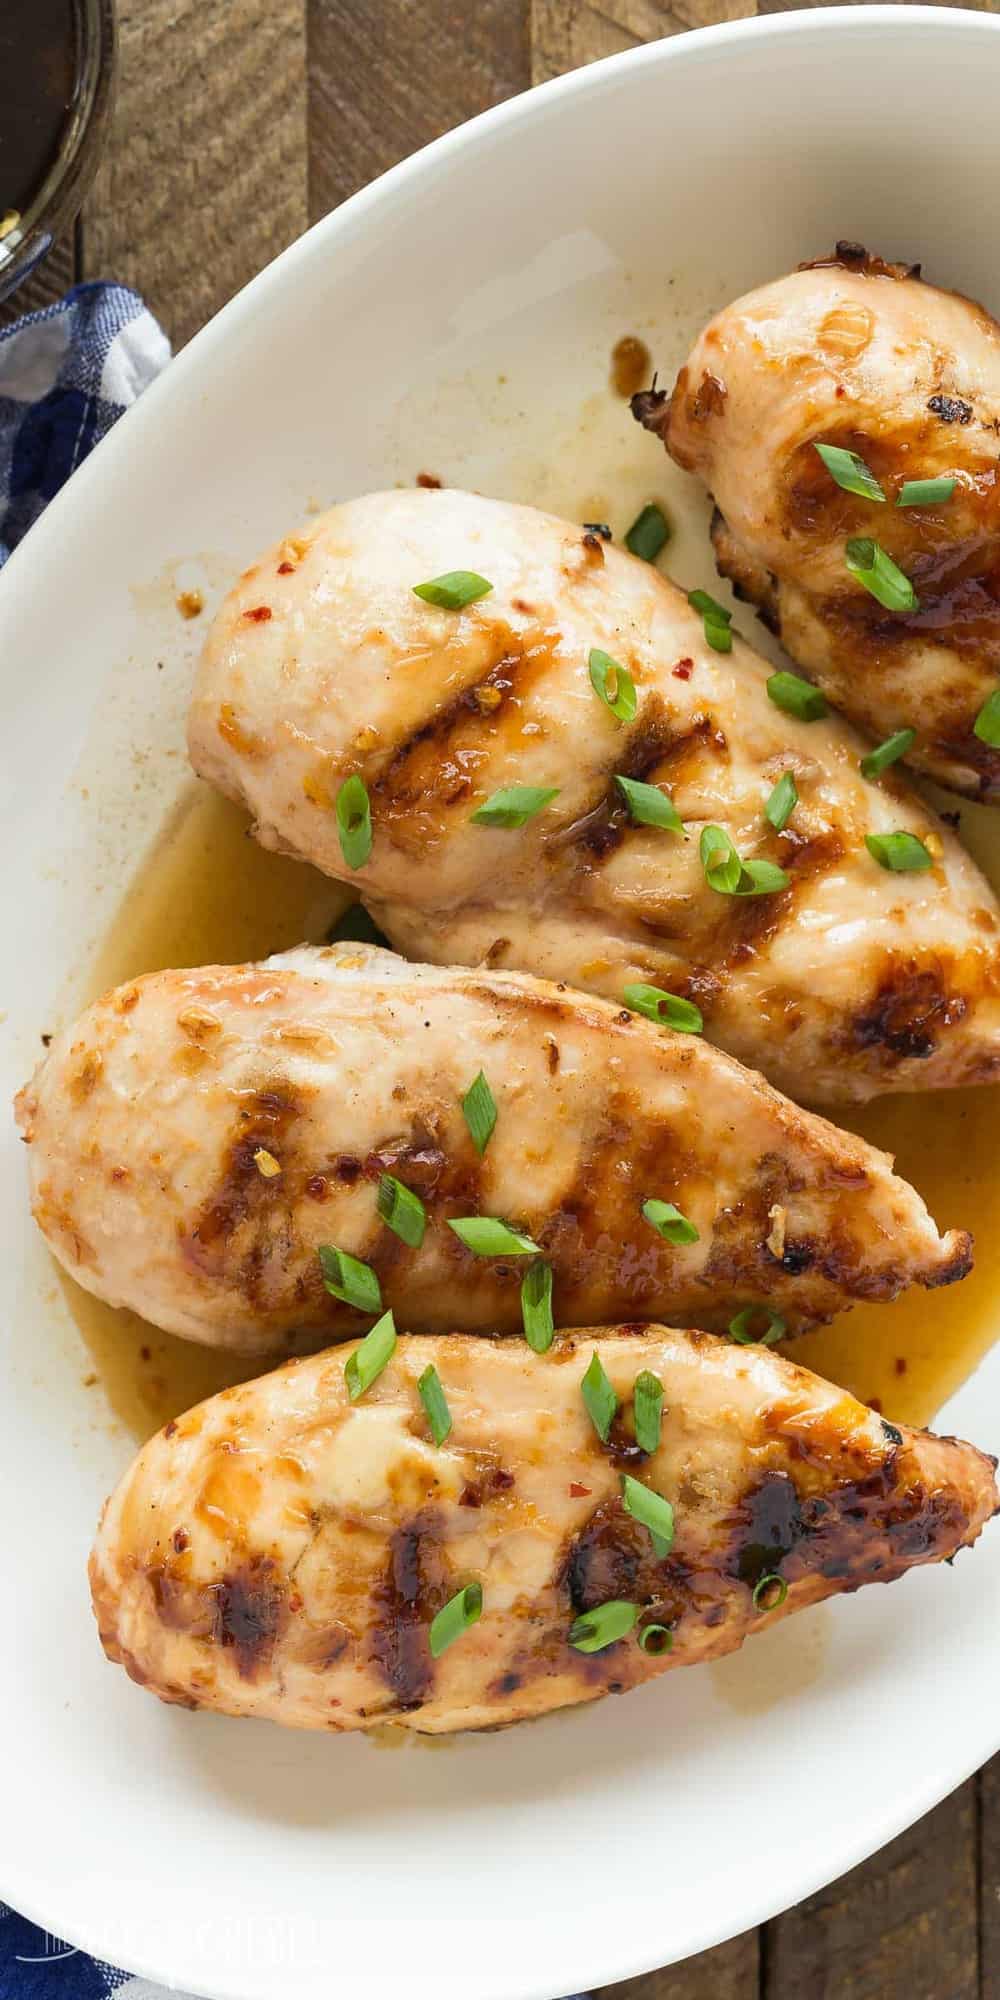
(198, 1135)
(281, 1552)
(863, 355)
(324, 664)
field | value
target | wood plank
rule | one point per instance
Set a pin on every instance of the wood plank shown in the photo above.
(568, 33)
(989, 1881)
(205, 174)
(901, 1927)
(387, 76)
(730, 1972)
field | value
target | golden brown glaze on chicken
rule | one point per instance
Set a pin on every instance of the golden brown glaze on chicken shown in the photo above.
(856, 353)
(279, 1552)
(197, 1136)
(323, 663)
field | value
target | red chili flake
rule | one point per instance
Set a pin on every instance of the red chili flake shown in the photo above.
(875, 1403)
(146, 1353)
(428, 479)
(285, 569)
(259, 614)
(900, 1364)
(683, 670)
(841, 391)
(169, 1429)
(181, 1539)
(578, 1492)
(295, 1602)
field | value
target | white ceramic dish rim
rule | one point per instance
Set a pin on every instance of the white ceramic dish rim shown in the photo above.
(880, 1824)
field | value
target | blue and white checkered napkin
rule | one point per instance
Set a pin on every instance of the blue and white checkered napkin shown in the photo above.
(66, 375)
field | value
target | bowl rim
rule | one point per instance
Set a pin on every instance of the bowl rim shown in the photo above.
(893, 1814)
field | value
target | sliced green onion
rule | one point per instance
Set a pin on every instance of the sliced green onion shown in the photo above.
(647, 1410)
(536, 1307)
(485, 1236)
(925, 492)
(741, 1329)
(600, 1398)
(850, 471)
(480, 1109)
(354, 821)
(797, 697)
(454, 1618)
(667, 1009)
(669, 1223)
(648, 805)
(614, 684)
(715, 619)
(514, 805)
(880, 575)
(454, 590)
(649, 533)
(656, 1639)
(987, 722)
(363, 1367)
(770, 1592)
(887, 753)
(902, 853)
(402, 1211)
(729, 876)
(594, 1630)
(782, 802)
(354, 1283)
(435, 1403)
(652, 1510)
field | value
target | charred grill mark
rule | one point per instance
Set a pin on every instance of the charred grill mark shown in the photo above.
(907, 1016)
(709, 399)
(854, 257)
(611, 1556)
(250, 1611)
(412, 1589)
(764, 1528)
(657, 749)
(951, 409)
(244, 1197)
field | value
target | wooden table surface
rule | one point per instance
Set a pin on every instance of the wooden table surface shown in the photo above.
(237, 123)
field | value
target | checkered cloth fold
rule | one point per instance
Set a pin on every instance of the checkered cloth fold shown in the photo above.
(66, 375)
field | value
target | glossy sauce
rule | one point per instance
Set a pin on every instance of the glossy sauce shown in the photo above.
(208, 893)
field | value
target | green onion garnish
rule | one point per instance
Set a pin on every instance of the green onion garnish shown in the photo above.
(536, 1307)
(648, 805)
(454, 590)
(402, 1211)
(987, 722)
(656, 1639)
(647, 1410)
(454, 1618)
(479, 1107)
(594, 1630)
(741, 1329)
(729, 876)
(669, 1223)
(652, 1510)
(796, 696)
(715, 619)
(354, 821)
(485, 1236)
(435, 1403)
(880, 575)
(887, 753)
(850, 471)
(782, 802)
(614, 684)
(599, 1397)
(668, 1010)
(902, 853)
(649, 533)
(770, 1592)
(355, 1284)
(514, 805)
(363, 1367)
(925, 492)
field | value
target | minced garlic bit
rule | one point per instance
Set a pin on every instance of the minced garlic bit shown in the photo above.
(366, 739)
(487, 699)
(777, 1217)
(934, 844)
(266, 1163)
(8, 221)
(190, 603)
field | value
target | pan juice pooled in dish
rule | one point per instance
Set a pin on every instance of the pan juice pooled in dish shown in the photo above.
(454, 1533)
(527, 748)
(846, 419)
